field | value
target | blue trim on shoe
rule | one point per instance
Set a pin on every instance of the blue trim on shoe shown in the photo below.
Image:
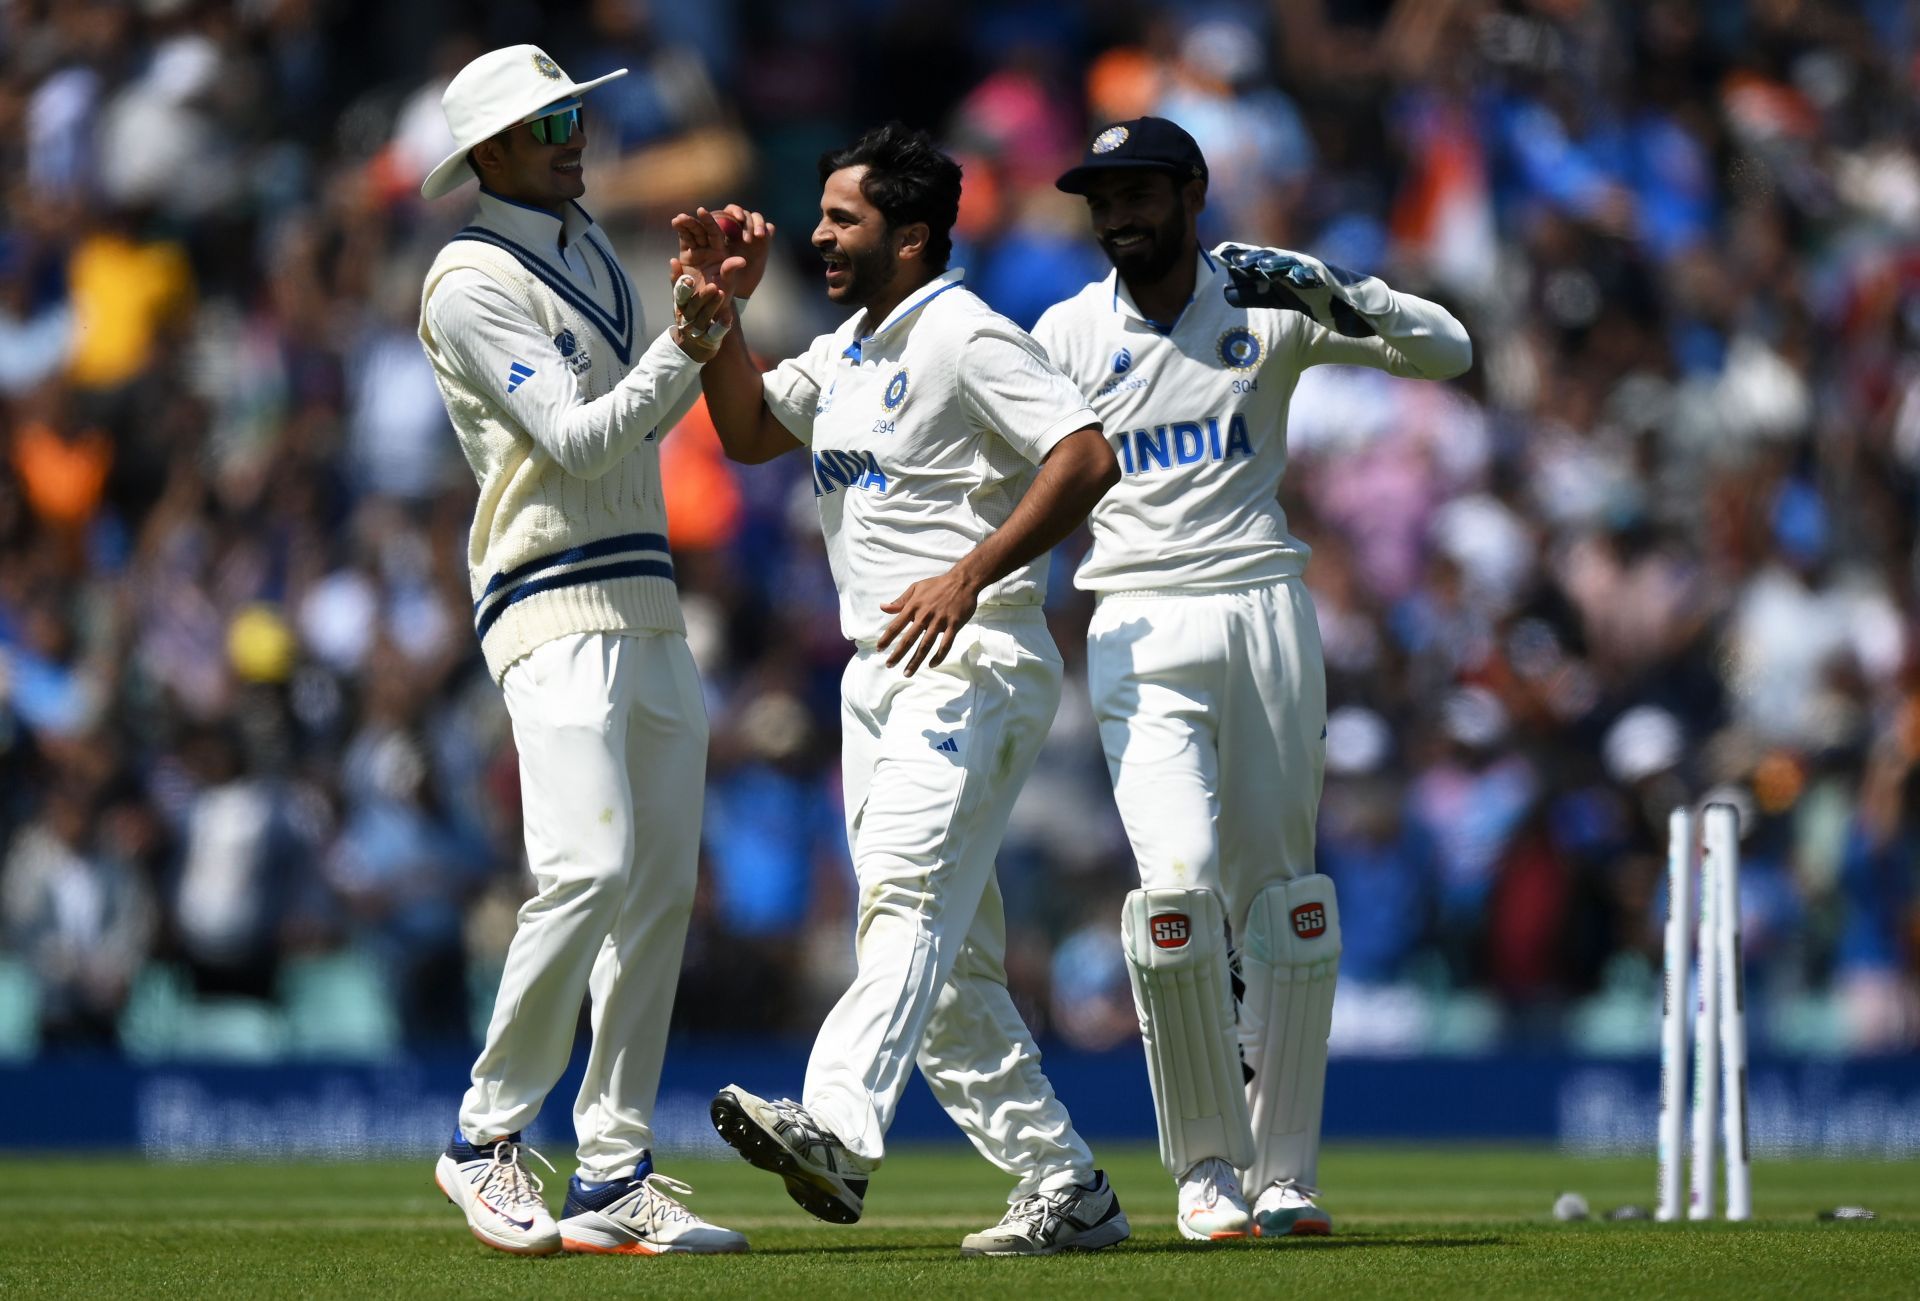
(460, 1150)
(583, 1197)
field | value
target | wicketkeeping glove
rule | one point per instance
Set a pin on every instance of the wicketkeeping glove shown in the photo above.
(1299, 282)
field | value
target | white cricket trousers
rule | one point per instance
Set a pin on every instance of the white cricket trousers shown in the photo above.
(612, 733)
(931, 766)
(1213, 713)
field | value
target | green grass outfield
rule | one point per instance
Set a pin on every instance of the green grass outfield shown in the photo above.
(1410, 1222)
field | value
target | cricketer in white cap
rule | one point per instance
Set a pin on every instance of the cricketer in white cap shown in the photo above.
(558, 398)
(1203, 659)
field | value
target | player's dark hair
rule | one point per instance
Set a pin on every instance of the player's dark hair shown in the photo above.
(908, 179)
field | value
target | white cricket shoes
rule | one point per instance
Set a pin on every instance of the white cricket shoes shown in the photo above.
(828, 1181)
(1286, 1208)
(1080, 1217)
(639, 1217)
(1211, 1204)
(498, 1194)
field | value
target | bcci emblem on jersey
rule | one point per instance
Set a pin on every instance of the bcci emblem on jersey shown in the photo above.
(577, 359)
(896, 391)
(1239, 349)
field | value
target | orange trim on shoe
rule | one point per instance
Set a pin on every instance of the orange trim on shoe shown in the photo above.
(1214, 1237)
(593, 1249)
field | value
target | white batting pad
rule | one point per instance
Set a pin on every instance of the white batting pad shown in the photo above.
(1176, 942)
(1289, 959)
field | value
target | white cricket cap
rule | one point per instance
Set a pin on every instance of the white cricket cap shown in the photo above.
(496, 91)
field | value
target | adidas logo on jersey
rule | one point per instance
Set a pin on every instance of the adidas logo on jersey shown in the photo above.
(518, 374)
(1183, 443)
(948, 746)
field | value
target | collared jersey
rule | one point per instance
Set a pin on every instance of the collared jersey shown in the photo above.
(1197, 415)
(923, 436)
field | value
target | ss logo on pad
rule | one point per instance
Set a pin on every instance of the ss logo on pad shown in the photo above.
(1310, 921)
(1170, 930)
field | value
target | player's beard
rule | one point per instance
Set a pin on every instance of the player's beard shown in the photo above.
(868, 274)
(1146, 263)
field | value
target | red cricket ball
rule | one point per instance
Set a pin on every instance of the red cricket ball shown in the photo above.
(729, 227)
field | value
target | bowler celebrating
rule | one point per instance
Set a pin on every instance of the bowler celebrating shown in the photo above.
(1204, 658)
(558, 397)
(947, 456)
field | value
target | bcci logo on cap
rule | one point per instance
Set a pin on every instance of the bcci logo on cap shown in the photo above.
(1109, 140)
(1169, 930)
(1310, 921)
(546, 67)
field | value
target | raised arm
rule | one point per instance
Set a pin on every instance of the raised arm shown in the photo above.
(736, 395)
(504, 353)
(737, 401)
(1362, 321)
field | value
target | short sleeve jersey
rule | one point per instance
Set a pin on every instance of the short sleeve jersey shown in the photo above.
(923, 435)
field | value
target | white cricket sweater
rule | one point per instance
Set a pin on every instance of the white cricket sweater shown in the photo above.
(532, 330)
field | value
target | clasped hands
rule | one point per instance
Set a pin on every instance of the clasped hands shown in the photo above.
(717, 265)
(711, 271)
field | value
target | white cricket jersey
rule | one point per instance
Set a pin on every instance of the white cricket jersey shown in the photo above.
(1198, 418)
(924, 434)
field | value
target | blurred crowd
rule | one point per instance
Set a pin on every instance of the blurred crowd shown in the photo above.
(258, 795)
